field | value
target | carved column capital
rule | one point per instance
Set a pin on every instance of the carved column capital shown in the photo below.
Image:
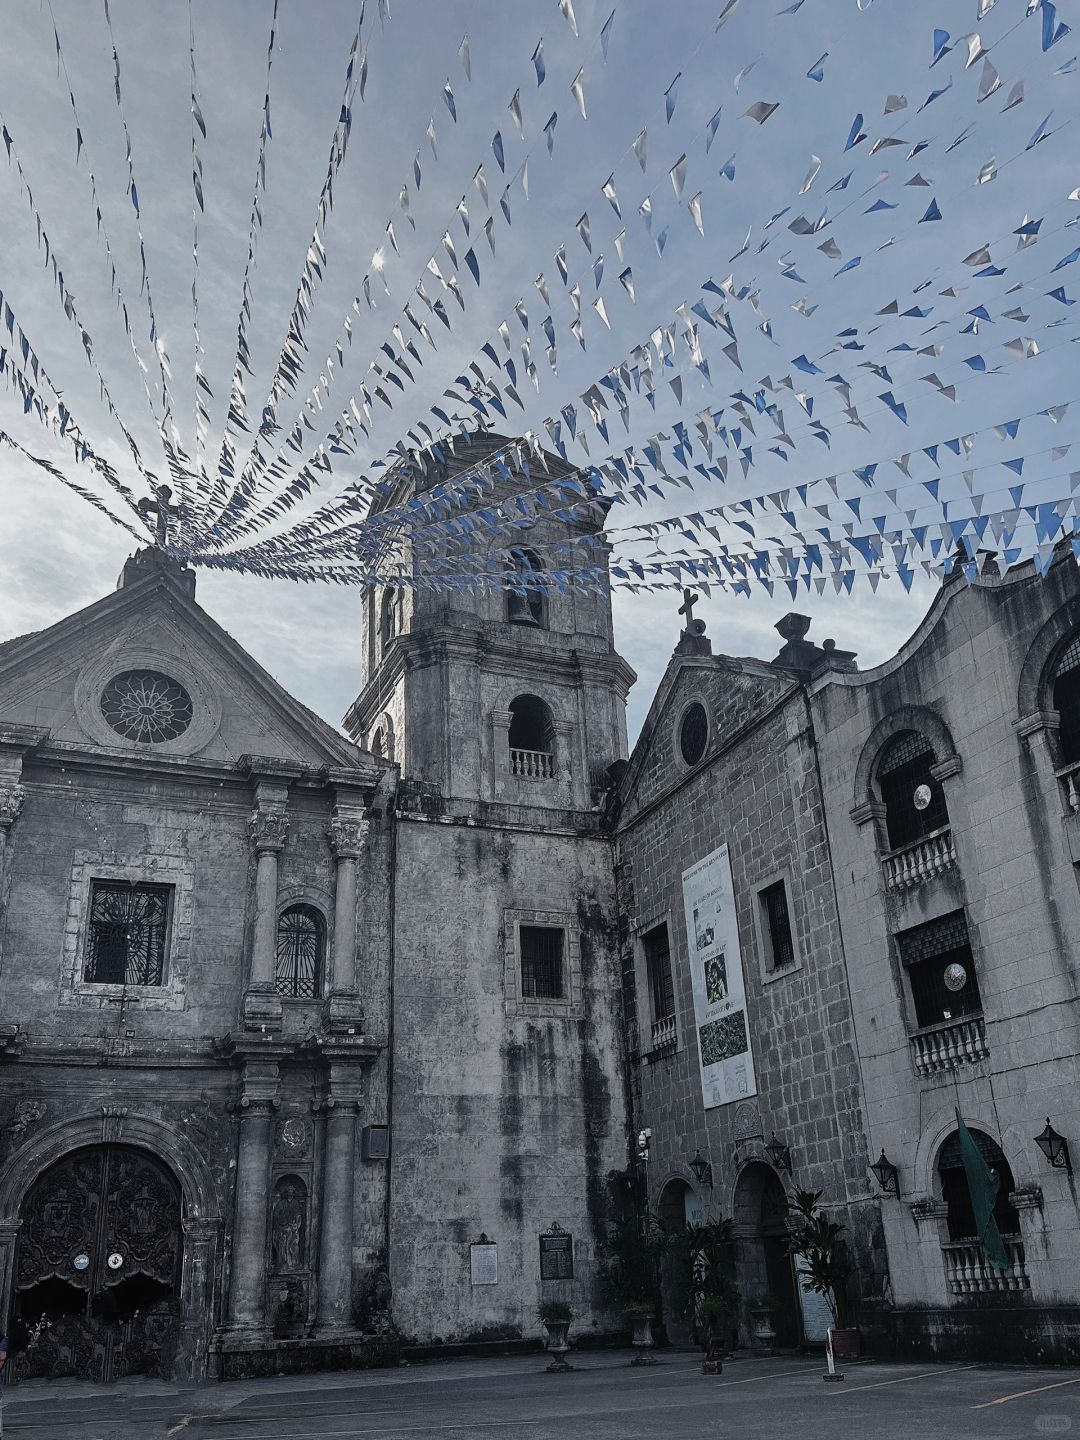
(347, 834)
(11, 803)
(267, 830)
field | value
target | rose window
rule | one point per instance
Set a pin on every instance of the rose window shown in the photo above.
(146, 706)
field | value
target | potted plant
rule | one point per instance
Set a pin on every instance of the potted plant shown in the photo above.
(710, 1295)
(759, 1312)
(635, 1245)
(821, 1258)
(641, 1314)
(555, 1316)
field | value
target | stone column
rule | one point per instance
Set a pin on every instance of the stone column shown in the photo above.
(11, 803)
(347, 833)
(9, 1234)
(268, 828)
(342, 1102)
(196, 1291)
(247, 1278)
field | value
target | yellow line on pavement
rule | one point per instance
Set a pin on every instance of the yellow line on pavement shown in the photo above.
(903, 1380)
(1022, 1394)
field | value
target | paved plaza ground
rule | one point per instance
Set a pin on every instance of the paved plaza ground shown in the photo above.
(605, 1398)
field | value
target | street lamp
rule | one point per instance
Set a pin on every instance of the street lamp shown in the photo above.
(779, 1154)
(701, 1169)
(887, 1175)
(1055, 1147)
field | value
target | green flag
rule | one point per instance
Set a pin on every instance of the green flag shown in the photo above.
(983, 1185)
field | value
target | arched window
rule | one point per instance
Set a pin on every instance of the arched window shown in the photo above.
(914, 801)
(388, 618)
(525, 604)
(301, 953)
(378, 743)
(957, 1195)
(532, 739)
(1066, 701)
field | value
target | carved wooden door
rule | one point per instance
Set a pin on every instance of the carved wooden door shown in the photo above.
(98, 1266)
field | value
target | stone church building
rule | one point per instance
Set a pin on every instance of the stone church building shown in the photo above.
(311, 1046)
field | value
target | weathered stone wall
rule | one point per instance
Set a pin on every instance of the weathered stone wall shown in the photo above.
(503, 1122)
(973, 679)
(757, 790)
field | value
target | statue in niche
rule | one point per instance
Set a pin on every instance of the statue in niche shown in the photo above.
(287, 1226)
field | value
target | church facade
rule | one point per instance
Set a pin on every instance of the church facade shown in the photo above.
(311, 1046)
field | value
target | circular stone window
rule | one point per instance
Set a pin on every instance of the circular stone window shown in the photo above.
(694, 733)
(146, 706)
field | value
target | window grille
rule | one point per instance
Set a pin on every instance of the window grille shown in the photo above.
(778, 919)
(541, 962)
(1066, 701)
(127, 933)
(926, 952)
(904, 768)
(146, 706)
(658, 967)
(300, 945)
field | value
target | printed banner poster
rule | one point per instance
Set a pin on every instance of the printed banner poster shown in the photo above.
(716, 970)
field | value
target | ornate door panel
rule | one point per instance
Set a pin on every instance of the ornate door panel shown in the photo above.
(99, 1262)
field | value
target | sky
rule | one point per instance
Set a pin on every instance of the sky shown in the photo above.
(58, 553)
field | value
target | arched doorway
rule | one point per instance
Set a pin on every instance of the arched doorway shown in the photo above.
(97, 1266)
(763, 1264)
(678, 1207)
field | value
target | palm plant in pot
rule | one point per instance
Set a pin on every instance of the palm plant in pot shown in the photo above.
(556, 1316)
(710, 1294)
(821, 1260)
(635, 1247)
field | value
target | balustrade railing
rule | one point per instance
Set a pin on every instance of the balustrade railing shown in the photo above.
(917, 863)
(1069, 779)
(532, 764)
(958, 1042)
(970, 1273)
(663, 1033)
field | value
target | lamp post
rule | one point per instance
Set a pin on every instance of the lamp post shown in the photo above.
(701, 1169)
(1055, 1147)
(779, 1154)
(887, 1175)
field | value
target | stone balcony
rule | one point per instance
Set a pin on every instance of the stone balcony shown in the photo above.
(532, 764)
(915, 864)
(944, 1047)
(969, 1273)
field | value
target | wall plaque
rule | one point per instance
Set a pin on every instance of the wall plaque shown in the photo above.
(484, 1262)
(556, 1254)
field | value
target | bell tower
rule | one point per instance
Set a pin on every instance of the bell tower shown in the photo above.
(491, 686)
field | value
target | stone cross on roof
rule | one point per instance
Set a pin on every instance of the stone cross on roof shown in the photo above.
(162, 510)
(690, 599)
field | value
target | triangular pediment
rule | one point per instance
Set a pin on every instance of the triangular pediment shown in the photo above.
(81, 678)
(735, 695)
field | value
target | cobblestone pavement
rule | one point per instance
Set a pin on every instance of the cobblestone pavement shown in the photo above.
(494, 1399)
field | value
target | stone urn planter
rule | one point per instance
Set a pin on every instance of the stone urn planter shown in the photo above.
(556, 1318)
(762, 1325)
(641, 1319)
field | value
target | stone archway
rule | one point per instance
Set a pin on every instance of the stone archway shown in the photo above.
(763, 1265)
(97, 1271)
(198, 1219)
(677, 1207)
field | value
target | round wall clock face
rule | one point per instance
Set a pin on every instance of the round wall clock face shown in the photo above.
(923, 797)
(115, 1260)
(81, 1261)
(955, 977)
